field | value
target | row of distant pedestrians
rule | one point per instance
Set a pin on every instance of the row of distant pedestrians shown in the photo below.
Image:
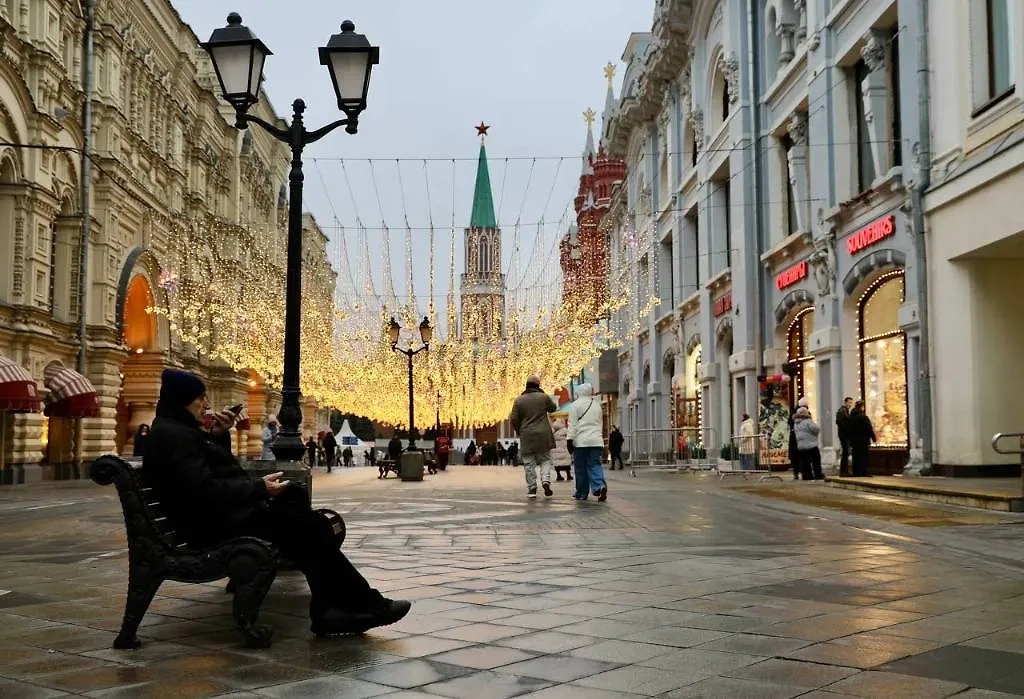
(492, 454)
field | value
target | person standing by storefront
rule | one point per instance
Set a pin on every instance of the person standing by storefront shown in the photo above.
(842, 416)
(748, 443)
(808, 452)
(861, 434)
(587, 439)
(615, 442)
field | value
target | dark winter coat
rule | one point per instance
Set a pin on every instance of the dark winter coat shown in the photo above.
(395, 448)
(842, 417)
(330, 444)
(529, 419)
(615, 441)
(203, 491)
(859, 431)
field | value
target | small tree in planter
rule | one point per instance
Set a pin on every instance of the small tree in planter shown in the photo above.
(729, 452)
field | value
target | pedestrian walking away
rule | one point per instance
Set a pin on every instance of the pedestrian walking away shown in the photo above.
(330, 449)
(208, 498)
(346, 456)
(561, 459)
(529, 418)
(615, 442)
(587, 439)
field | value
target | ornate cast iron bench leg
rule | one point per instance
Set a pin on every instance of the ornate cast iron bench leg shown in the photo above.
(143, 583)
(252, 574)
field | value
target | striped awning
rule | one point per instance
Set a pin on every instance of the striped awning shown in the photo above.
(18, 390)
(71, 394)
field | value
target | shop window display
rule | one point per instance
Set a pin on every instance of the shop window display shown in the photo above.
(883, 359)
(687, 387)
(806, 378)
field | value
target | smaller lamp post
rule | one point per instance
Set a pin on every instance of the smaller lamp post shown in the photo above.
(426, 334)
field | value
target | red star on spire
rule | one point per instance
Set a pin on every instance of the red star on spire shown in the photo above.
(482, 129)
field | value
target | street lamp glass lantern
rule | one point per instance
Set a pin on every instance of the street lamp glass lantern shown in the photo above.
(426, 332)
(350, 58)
(393, 331)
(238, 57)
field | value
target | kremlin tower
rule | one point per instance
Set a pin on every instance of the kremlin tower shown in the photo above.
(483, 283)
(583, 251)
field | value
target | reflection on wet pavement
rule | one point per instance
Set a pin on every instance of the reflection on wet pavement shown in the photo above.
(675, 587)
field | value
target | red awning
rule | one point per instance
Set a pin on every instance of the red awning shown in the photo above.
(18, 391)
(71, 394)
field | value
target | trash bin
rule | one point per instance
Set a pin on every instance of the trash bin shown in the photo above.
(411, 468)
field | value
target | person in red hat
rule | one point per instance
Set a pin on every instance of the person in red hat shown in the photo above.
(209, 498)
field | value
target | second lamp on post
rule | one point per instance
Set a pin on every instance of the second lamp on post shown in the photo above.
(426, 334)
(238, 57)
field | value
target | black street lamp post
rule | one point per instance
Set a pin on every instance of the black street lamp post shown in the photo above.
(238, 58)
(426, 333)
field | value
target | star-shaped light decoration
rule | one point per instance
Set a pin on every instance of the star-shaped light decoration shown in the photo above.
(481, 130)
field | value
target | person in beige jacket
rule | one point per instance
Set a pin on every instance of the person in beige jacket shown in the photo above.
(529, 419)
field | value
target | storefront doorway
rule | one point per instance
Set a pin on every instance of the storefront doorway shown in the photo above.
(805, 380)
(883, 371)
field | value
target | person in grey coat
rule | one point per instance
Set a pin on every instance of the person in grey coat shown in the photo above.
(529, 419)
(806, 431)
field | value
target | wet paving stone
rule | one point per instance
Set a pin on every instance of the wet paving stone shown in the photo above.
(672, 588)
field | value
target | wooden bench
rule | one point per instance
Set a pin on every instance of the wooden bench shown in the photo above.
(156, 554)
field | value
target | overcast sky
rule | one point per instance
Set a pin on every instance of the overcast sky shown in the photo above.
(528, 68)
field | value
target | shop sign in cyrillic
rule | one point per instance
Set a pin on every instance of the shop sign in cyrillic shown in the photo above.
(791, 276)
(722, 305)
(871, 234)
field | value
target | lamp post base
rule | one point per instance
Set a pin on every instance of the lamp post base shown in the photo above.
(288, 448)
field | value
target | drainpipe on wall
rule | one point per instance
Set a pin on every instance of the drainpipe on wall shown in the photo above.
(754, 81)
(922, 158)
(88, 12)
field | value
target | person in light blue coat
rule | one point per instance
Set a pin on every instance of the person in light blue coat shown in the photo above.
(807, 431)
(586, 433)
(270, 430)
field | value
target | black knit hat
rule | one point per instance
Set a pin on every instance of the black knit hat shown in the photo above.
(179, 388)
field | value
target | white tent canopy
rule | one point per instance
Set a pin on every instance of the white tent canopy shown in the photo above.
(347, 438)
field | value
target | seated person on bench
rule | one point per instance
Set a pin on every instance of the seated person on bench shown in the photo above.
(208, 498)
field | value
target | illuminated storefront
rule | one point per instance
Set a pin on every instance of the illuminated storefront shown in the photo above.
(800, 355)
(883, 360)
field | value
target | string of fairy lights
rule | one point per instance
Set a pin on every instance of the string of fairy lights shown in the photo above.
(223, 292)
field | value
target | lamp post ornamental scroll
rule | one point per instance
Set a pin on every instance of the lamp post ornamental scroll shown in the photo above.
(238, 57)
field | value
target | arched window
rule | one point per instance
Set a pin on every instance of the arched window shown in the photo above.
(799, 353)
(883, 359)
(688, 409)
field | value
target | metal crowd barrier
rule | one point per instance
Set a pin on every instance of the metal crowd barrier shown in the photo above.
(746, 456)
(681, 448)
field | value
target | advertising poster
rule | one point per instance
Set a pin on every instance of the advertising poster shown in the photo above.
(774, 422)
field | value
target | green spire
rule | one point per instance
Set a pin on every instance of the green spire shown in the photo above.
(483, 202)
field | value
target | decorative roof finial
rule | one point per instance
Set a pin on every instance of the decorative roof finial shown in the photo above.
(481, 131)
(609, 72)
(589, 116)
